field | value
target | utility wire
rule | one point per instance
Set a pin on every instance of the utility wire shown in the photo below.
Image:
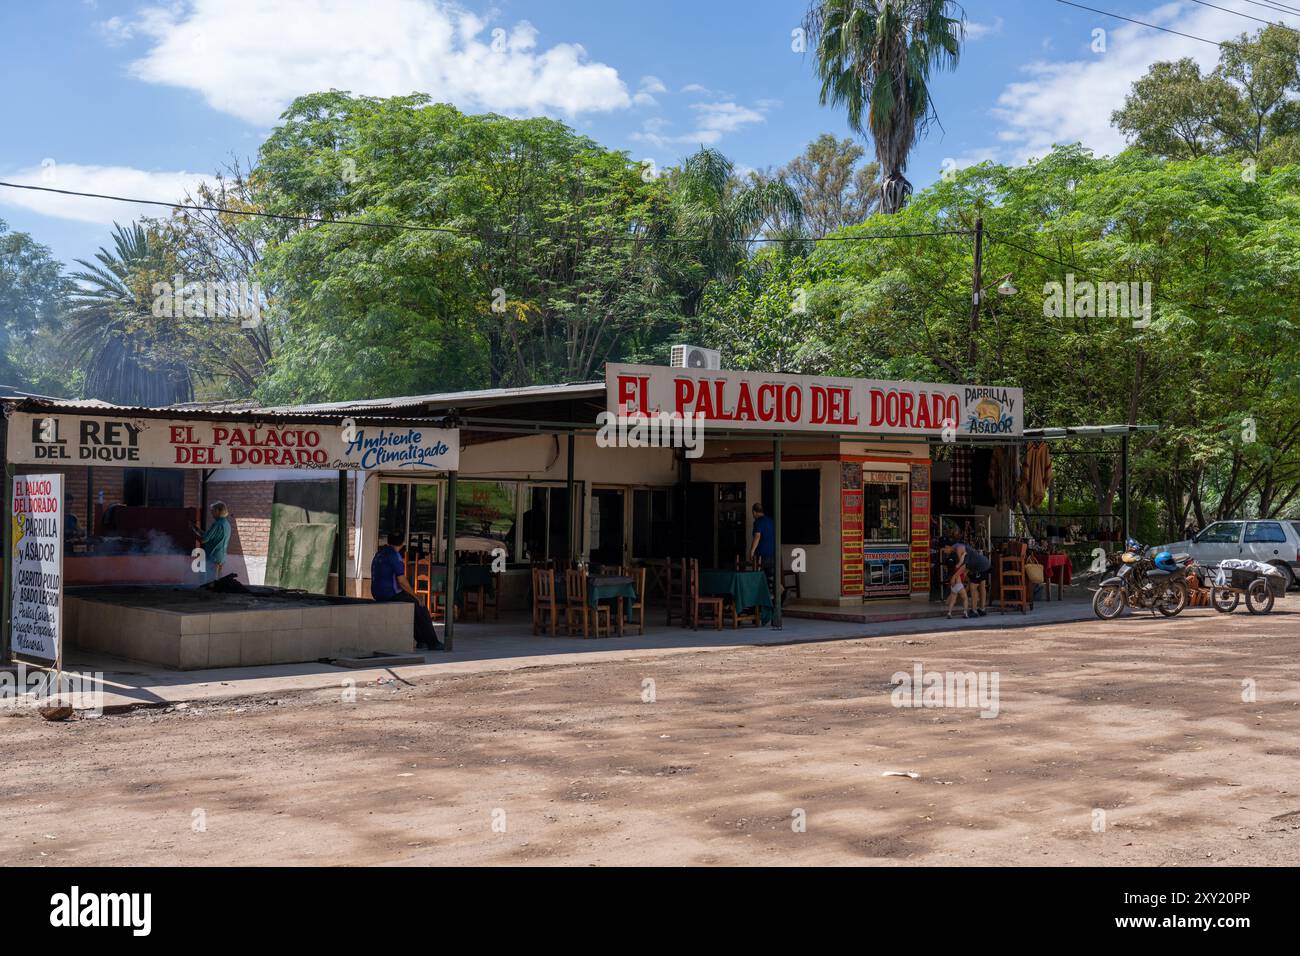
(1272, 23)
(1222, 45)
(1034, 252)
(1280, 7)
(234, 212)
(320, 220)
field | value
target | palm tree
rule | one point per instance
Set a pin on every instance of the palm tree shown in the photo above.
(874, 57)
(727, 213)
(110, 333)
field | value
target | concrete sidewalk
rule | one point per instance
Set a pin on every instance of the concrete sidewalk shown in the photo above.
(510, 645)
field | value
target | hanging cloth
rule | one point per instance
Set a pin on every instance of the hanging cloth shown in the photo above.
(1035, 475)
(1000, 478)
(959, 481)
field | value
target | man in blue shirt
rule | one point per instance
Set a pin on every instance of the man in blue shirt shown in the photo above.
(215, 540)
(388, 583)
(762, 550)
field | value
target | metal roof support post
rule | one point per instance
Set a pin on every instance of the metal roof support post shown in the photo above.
(341, 542)
(449, 602)
(5, 526)
(203, 495)
(574, 523)
(1124, 489)
(776, 534)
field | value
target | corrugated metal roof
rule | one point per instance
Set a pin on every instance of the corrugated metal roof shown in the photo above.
(197, 411)
(442, 400)
(1088, 431)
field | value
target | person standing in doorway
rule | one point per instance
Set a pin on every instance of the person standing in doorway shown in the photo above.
(388, 583)
(762, 549)
(215, 540)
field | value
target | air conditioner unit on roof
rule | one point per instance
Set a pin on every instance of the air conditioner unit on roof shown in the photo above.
(692, 356)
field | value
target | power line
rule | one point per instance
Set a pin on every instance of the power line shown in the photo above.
(1280, 7)
(1141, 23)
(320, 220)
(1178, 33)
(1272, 23)
(1034, 252)
(234, 212)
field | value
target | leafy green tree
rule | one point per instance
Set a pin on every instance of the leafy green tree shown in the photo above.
(1170, 111)
(232, 351)
(718, 216)
(32, 292)
(874, 58)
(834, 191)
(1214, 363)
(126, 359)
(533, 262)
(1247, 107)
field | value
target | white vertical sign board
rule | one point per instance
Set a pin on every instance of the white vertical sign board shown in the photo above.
(36, 572)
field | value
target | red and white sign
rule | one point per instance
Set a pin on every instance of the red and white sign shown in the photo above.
(36, 570)
(768, 401)
(124, 442)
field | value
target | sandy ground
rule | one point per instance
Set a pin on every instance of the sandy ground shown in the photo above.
(1119, 743)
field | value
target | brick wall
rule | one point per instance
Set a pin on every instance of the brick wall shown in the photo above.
(249, 503)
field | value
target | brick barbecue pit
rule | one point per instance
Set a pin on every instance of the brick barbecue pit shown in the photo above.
(194, 628)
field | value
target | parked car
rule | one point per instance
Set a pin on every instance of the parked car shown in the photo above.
(1273, 542)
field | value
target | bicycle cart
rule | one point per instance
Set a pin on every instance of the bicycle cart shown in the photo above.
(1260, 584)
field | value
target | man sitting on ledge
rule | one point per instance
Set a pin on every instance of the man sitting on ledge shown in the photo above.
(388, 583)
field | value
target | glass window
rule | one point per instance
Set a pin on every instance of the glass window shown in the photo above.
(557, 543)
(485, 517)
(652, 522)
(153, 487)
(801, 505)
(1221, 532)
(1264, 532)
(546, 523)
(424, 525)
(392, 509)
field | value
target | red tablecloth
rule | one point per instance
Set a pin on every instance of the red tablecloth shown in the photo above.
(1053, 561)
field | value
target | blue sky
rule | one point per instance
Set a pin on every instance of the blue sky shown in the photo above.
(142, 99)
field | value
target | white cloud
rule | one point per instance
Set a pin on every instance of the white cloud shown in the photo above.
(712, 122)
(116, 30)
(105, 180)
(649, 86)
(1068, 101)
(250, 59)
(977, 31)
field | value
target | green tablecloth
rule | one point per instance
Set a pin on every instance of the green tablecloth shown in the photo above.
(467, 576)
(747, 588)
(610, 588)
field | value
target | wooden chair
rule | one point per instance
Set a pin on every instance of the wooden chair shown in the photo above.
(575, 605)
(545, 607)
(492, 597)
(636, 610)
(420, 573)
(698, 601)
(1013, 589)
(790, 582)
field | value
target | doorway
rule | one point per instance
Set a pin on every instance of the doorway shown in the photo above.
(607, 536)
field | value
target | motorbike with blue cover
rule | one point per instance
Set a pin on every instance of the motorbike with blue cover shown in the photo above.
(1146, 580)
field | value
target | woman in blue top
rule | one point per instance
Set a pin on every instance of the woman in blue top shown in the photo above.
(216, 539)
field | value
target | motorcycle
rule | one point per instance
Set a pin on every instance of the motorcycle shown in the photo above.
(1141, 580)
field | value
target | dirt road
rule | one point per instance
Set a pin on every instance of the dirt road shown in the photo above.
(1119, 743)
